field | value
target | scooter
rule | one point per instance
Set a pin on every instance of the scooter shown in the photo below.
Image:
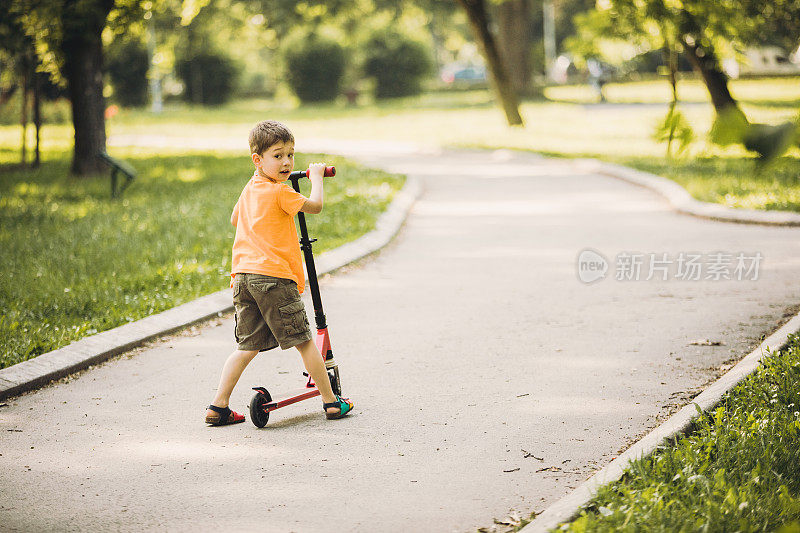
(262, 403)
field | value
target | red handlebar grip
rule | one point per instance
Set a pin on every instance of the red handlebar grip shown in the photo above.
(329, 172)
(297, 174)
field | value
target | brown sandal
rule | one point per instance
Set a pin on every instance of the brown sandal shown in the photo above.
(224, 417)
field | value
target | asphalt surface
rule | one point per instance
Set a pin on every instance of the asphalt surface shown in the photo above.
(488, 379)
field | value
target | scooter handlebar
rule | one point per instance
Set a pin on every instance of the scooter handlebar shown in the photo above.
(297, 174)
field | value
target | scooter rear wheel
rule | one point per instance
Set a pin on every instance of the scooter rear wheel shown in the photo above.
(259, 413)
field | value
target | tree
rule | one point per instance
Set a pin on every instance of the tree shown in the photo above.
(479, 21)
(520, 35)
(776, 23)
(693, 24)
(68, 35)
(700, 51)
(515, 38)
(700, 26)
(20, 53)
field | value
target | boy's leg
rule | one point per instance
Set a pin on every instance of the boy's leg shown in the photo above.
(231, 372)
(313, 362)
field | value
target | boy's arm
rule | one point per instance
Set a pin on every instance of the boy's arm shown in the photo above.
(313, 205)
(235, 214)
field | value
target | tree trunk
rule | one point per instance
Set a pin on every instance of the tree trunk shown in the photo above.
(23, 116)
(701, 55)
(705, 63)
(479, 20)
(37, 115)
(83, 70)
(514, 39)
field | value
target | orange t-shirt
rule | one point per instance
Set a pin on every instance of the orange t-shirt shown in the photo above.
(266, 239)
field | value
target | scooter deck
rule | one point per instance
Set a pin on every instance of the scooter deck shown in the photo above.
(292, 397)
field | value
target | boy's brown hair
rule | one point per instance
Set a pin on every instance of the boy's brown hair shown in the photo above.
(266, 133)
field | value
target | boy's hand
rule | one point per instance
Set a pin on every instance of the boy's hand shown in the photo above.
(313, 205)
(316, 171)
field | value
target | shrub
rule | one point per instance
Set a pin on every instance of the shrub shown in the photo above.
(315, 68)
(127, 63)
(674, 128)
(209, 78)
(397, 63)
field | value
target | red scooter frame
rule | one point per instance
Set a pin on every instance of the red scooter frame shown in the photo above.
(262, 403)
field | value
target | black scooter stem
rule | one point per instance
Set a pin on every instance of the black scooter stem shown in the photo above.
(305, 245)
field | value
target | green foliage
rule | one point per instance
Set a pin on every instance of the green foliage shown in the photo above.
(736, 471)
(127, 63)
(730, 181)
(58, 27)
(730, 127)
(398, 64)
(651, 22)
(56, 111)
(673, 128)
(209, 77)
(76, 262)
(315, 67)
(591, 28)
(776, 22)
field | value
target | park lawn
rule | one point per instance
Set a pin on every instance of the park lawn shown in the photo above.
(76, 262)
(737, 470)
(732, 181)
(780, 92)
(569, 124)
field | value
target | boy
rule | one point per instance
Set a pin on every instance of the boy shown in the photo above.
(268, 273)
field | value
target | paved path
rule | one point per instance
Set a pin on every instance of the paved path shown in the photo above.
(487, 377)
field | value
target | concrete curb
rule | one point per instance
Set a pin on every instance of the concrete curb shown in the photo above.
(683, 202)
(80, 354)
(568, 507)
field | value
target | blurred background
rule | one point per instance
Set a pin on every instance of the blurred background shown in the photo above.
(126, 62)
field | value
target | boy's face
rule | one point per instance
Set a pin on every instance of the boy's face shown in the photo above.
(276, 162)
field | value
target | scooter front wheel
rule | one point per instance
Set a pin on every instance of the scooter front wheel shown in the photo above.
(259, 413)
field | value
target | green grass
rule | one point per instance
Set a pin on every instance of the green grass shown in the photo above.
(614, 134)
(731, 181)
(76, 262)
(568, 125)
(769, 92)
(737, 470)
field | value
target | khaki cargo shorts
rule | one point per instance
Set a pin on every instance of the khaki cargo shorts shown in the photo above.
(269, 312)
